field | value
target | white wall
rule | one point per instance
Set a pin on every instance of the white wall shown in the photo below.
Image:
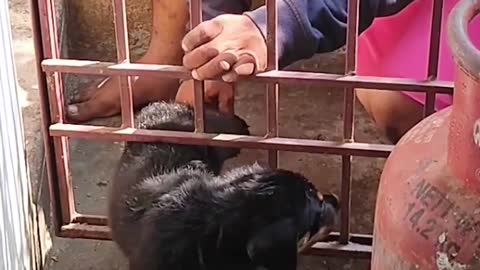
(15, 223)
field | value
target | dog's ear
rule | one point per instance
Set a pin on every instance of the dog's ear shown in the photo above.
(216, 122)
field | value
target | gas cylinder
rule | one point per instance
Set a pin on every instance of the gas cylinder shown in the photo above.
(428, 204)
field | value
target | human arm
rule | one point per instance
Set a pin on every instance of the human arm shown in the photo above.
(234, 45)
(214, 8)
(306, 27)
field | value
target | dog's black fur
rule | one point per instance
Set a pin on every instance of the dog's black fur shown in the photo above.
(170, 208)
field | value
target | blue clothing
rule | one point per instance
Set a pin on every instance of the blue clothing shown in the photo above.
(307, 27)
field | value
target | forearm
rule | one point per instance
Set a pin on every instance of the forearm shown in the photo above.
(307, 27)
(213, 8)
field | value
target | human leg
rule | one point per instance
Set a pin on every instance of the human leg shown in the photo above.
(393, 112)
(398, 46)
(168, 29)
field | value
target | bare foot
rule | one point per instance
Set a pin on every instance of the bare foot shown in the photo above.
(103, 99)
(168, 28)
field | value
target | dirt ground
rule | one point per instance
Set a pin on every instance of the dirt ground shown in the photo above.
(305, 112)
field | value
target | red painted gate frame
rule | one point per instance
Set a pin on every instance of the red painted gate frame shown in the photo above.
(71, 224)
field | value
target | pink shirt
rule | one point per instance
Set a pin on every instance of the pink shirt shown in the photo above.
(398, 46)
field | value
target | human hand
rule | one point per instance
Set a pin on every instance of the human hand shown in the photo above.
(226, 46)
(217, 94)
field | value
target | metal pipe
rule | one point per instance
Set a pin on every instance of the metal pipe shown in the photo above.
(272, 88)
(198, 86)
(275, 76)
(51, 49)
(45, 119)
(123, 56)
(220, 140)
(434, 52)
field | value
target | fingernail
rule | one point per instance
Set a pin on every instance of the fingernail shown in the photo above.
(184, 47)
(245, 69)
(195, 75)
(225, 65)
(227, 78)
(72, 110)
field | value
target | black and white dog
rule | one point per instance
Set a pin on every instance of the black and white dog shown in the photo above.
(171, 209)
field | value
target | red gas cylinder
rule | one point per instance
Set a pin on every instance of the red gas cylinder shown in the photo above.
(428, 205)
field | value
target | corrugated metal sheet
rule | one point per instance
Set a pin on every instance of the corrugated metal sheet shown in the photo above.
(14, 220)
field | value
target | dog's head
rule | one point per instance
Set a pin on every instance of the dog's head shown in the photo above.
(320, 215)
(316, 213)
(179, 117)
(216, 122)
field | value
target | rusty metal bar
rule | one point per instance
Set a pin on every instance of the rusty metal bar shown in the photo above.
(346, 199)
(95, 220)
(85, 231)
(220, 140)
(51, 49)
(363, 239)
(198, 86)
(277, 76)
(272, 88)
(123, 56)
(350, 69)
(332, 248)
(433, 56)
(348, 119)
(46, 120)
(91, 220)
(352, 33)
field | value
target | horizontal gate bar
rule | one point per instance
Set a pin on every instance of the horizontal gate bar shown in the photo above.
(98, 220)
(284, 77)
(348, 120)
(354, 249)
(222, 140)
(334, 249)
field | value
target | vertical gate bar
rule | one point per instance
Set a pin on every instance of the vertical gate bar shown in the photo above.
(350, 67)
(123, 56)
(45, 118)
(51, 49)
(272, 88)
(346, 199)
(198, 86)
(433, 56)
(348, 119)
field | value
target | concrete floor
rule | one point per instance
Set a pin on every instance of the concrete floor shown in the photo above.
(305, 112)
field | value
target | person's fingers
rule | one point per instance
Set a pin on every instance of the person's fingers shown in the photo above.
(203, 33)
(185, 93)
(199, 56)
(217, 66)
(245, 66)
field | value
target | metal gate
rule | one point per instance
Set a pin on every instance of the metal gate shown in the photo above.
(69, 223)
